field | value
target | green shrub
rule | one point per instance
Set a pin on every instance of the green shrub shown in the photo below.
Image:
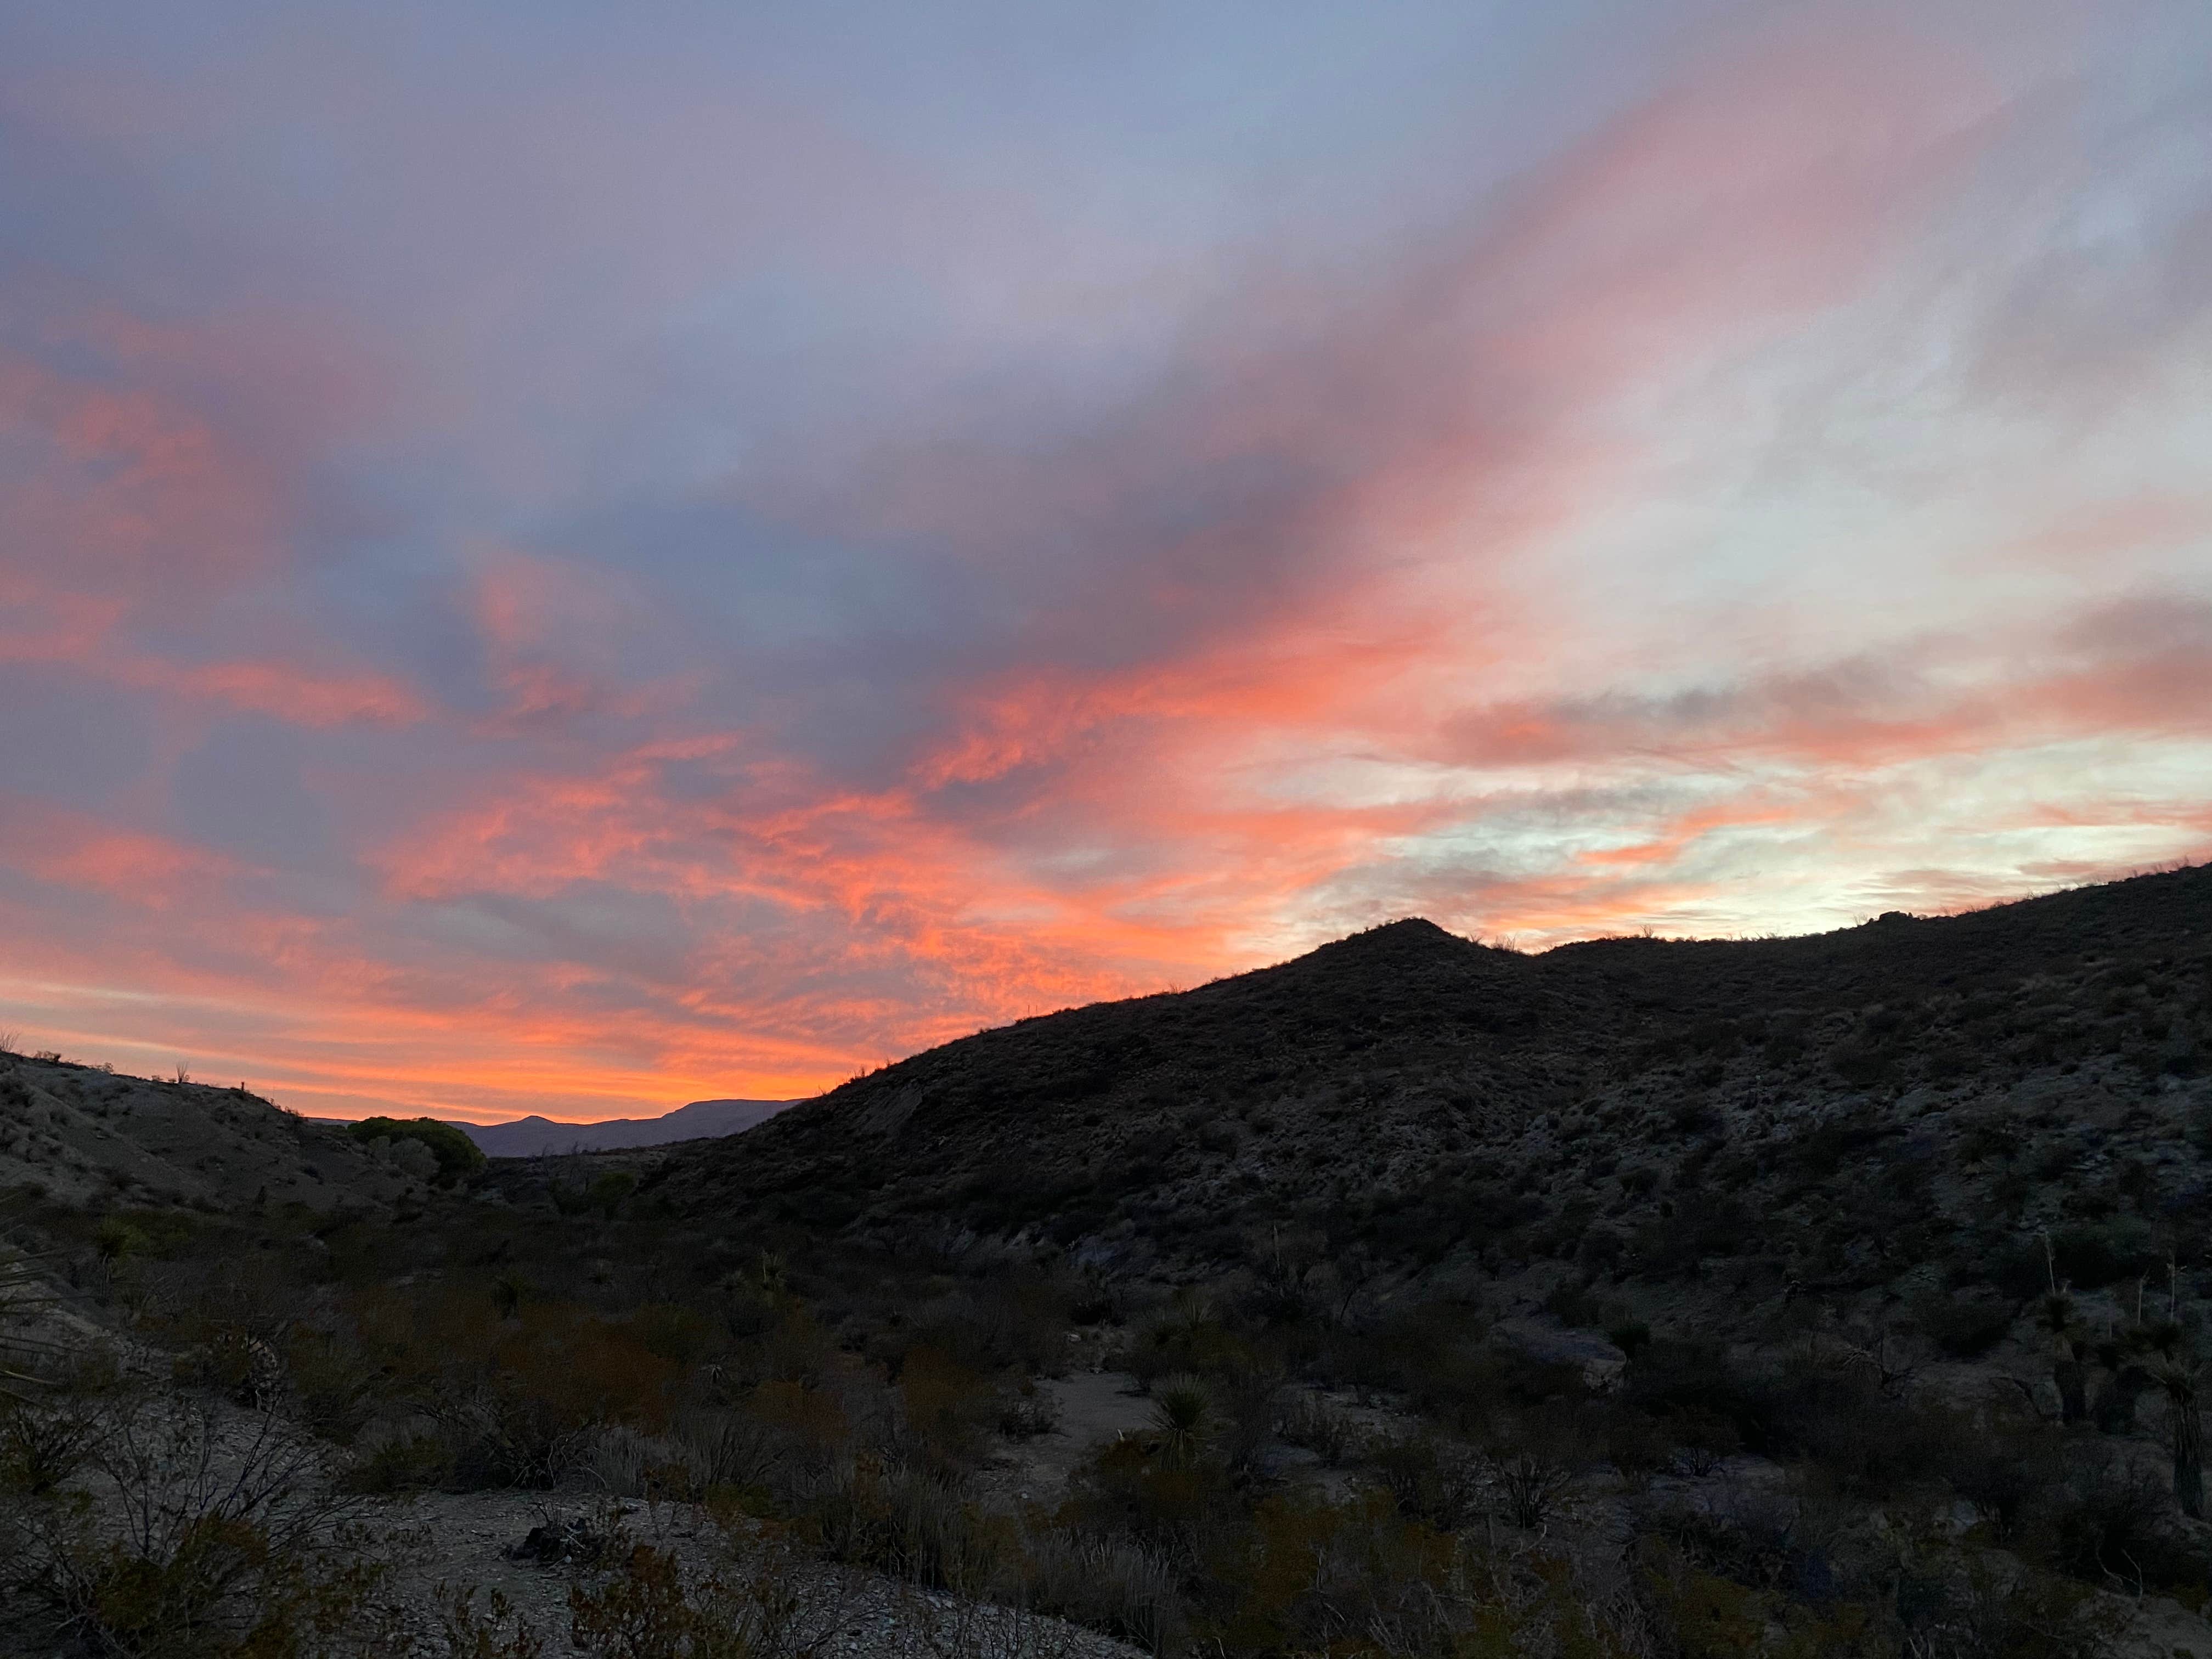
(459, 1157)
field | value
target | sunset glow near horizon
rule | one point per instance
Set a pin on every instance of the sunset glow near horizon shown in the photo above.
(569, 559)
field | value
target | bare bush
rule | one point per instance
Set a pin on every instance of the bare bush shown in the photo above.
(189, 1533)
(1310, 1421)
(1432, 1479)
(1531, 1483)
(648, 1605)
(1028, 1412)
(496, 1632)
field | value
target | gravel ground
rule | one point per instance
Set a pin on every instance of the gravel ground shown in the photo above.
(471, 1540)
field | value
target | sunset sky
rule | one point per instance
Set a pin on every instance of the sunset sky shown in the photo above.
(570, 558)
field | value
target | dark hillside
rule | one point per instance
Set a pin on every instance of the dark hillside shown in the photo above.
(1063, 1120)
(1427, 1100)
(1899, 955)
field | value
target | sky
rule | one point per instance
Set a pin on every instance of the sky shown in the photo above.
(572, 558)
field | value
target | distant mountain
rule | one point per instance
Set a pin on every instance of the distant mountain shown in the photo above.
(530, 1137)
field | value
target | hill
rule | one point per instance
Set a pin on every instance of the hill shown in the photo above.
(1841, 1107)
(81, 1135)
(535, 1136)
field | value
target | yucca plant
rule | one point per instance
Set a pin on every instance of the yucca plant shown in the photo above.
(1182, 1415)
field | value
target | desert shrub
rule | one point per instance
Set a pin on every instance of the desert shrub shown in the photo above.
(1016, 1319)
(1098, 1300)
(740, 1455)
(610, 1191)
(1127, 1488)
(1601, 1249)
(459, 1157)
(681, 1335)
(1630, 1442)
(494, 1633)
(2105, 1520)
(1310, 1421)
(1530, 1483)
(2095, 1256)
(1245, 1401)
(1966, 1327)
(1987, 1607)
(2017, 1269)
(648, 1605)
(911, 1524)
(1828, 1405)
(1431, 1480)
(514, 1401)
(44, 1444)
(1669, 1374)
(1026, 1412)
(117, 1240)
(1700, 1439)
(185, 1540)
(1111, 1585)
(1704, 1613)
(796, 1348)
(1311, 1575)
(402, 1463)
(335, 1392)
(949, 1408)
(492, 1437)
(2003, 1468)
(1189, 1341)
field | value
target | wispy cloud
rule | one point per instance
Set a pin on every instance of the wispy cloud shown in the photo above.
(635, 582)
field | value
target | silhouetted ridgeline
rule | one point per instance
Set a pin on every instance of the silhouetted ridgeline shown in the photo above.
(1424, 1098)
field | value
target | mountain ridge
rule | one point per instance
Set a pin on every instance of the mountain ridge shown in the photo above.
(1384, 1088)
(535, 1135)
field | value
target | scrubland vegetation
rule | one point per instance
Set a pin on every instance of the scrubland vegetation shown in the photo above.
(1313, 1478)
(1872, 1329)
